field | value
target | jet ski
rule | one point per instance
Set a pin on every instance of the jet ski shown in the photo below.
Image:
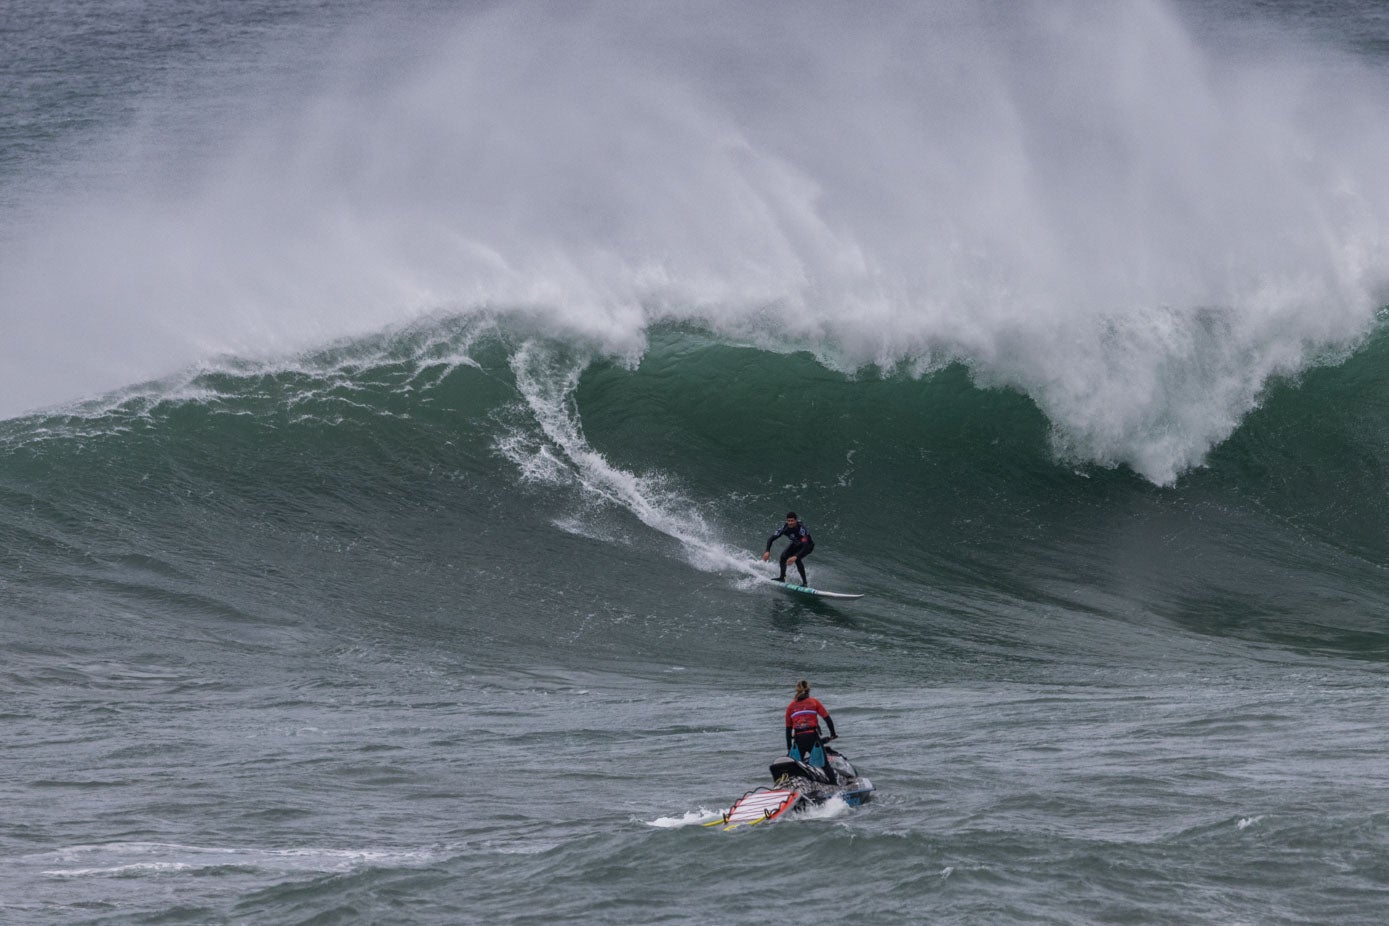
(826, 773)
(797, 784)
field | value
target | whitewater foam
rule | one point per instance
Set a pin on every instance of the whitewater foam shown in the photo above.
(689, 818)
(115, 859)
(1077, 200)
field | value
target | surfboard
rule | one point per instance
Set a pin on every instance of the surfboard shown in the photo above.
(818, 592)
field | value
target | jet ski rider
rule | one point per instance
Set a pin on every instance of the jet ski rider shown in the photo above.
(803, 725)
(800, 548)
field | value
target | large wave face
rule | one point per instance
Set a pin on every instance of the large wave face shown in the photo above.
(393, 475)
(1136, 224)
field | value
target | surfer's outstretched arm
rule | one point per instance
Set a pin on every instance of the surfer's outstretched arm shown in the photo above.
(770, 540)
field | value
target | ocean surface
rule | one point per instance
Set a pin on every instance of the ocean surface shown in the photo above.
(395, 400)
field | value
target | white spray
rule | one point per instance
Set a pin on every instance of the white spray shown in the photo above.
(1076, 199)
(547, 384)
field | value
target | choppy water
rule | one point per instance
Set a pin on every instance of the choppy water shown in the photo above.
(384, 549)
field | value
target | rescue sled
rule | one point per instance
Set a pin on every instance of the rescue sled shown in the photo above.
(797, 784)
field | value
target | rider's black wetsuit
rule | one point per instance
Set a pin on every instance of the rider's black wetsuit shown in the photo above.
(800, 548)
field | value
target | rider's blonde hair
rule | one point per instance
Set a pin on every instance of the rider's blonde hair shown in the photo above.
(802, 689)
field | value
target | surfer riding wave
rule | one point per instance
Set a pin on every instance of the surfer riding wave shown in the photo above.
(800, 547)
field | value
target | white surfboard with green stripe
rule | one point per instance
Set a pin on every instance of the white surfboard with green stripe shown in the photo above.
(817, 592)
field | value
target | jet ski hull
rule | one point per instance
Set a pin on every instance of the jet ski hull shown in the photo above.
(796, 786)
(816, 785)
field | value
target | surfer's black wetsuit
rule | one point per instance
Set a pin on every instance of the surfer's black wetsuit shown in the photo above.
(800, 548)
